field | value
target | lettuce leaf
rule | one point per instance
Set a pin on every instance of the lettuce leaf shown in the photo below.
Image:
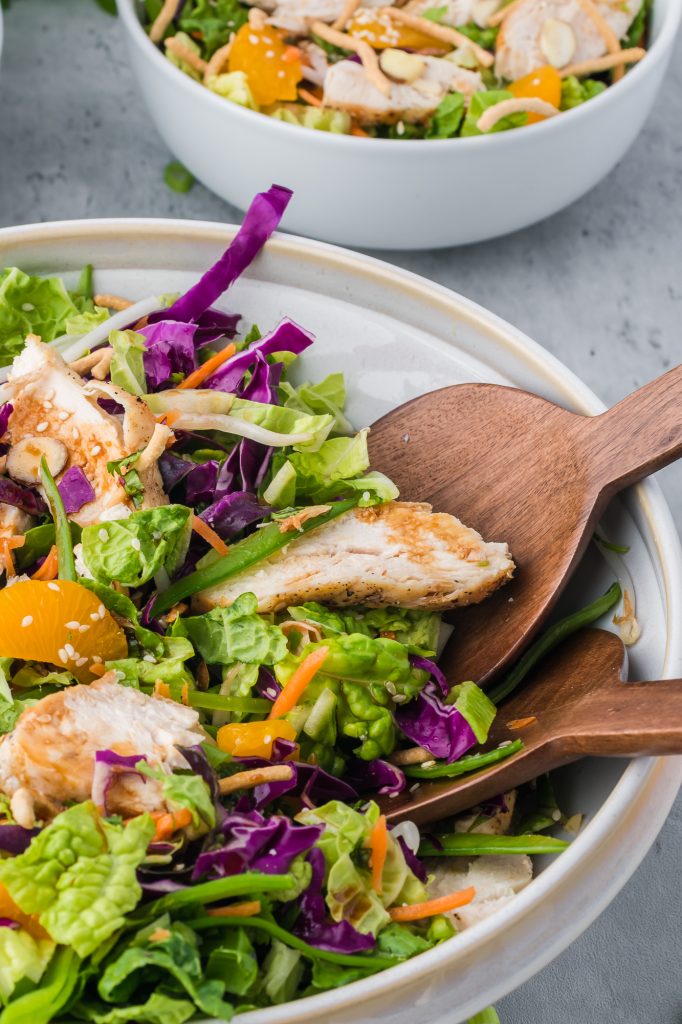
(233, 960)
(327, 396)
(283, 971)
(168, 666)
(574, 91)
(160, 1008)
(447, 117)
(130, 551)
(38, 305)
(21, 957)
(480, 102)
(127, 364)
(184, 790)
(228, 635)
(416, 629)
(78, 876)
(124, 608)
(215, 20)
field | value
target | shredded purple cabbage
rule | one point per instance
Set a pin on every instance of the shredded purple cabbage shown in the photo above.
(15, 839)
(109, 765)
(268, 687)
(439, 728)
(231, 514)
(255, 843)
(21, 497)
(214, 324)
(313, 924)
(170, 349)
(413, 862)
(375, 776)
(436, 673)
(262, 218)
(75, 489)
(7, 922)
(288, 336)
(159, 886)
(200, 483)
(6, 411)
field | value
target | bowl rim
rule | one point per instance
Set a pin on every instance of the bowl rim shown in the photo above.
(642, 780)
(657, 52)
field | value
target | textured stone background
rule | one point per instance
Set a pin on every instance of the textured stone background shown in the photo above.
(600, 285)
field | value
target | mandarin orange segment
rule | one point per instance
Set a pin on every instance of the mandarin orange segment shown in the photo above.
(28, 922)
(381, 32)
(61, 623)
(544, 83)
(253, 739)
(270, 65)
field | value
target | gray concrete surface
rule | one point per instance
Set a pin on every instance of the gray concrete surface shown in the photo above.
(600, 285)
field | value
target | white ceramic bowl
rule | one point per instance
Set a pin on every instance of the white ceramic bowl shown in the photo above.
(396, 336)
(376, 193)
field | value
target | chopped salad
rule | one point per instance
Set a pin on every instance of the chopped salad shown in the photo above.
(218, 668)
(419, 70)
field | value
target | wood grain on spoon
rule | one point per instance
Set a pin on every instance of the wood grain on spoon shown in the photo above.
(522, 470)
(574, 704)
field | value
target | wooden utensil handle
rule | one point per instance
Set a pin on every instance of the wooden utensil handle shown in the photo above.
(631, 719)
(639, 435)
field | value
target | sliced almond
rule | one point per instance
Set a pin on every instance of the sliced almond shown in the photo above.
(557, 42)
(23, 459)
(482, 11)
(401, 66)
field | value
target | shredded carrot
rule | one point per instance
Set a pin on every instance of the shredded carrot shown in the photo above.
(162, 689)
(430, 908)
(209, 535)
(50, 567)
(521, 723)
(168, 418)
(207, 368)
(309, 97)
(378, 847)
(359, 132)
(304, 674)
(7, 545)
(184, 694)
(291, 54)
(248, 909)
(167, 824)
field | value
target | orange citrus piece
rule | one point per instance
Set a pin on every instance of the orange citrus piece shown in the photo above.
(381, 32)
(266, 59)
(59, 622)
(29, 922)
(253, 739)
(543, 83)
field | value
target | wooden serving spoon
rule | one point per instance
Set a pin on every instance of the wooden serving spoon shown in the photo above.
(575, 704)
(520, 469)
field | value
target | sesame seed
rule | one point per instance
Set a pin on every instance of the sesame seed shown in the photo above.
(53, 586)
(135, 544)
(27, 307)
(94, 616)
(556, 815)
(391, 689)
(103, 535)
(270, 53)
(63, 657)
(405, 438)
(42, 426)
(49, 394)
(280, 74)
(428, 764)
(150, 658)
(400, 128)
(271, 692)
(62, 415)
(27, 620)
(505, 743)
(72, 625)
(96, 450)
(413, 787)
(83, 628)
(399, 698)
(75, 433)
(101, 611)
(81, 662)
(254, 40)
(70, 650)
(47, 405)
(96, 659)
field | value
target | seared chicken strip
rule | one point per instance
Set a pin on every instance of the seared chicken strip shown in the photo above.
(48, 760)
(13, 521)
(400, 553)
(528, 35)
(297, 15)
(496, 880)
(348, 87)
(55, 407)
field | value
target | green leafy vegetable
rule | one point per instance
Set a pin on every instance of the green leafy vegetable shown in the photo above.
(327, 396)
(620, 549)
(488, 1016)
(130, 479)
(232, 959)
(31, 305)
(184, 790)
(168, 665)
(159, 1008)
(127, 364)
(78, 876)
(124, 608)
(21, 957)
(475, 706)
(215, 20)
(38, 541)
(480, 102)
(130, 551)
(415, 629)
(283, 971)
(447, 118)
(227, 635)
(57, 987)
(574, 91)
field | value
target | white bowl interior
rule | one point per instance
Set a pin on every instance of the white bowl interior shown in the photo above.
(396, 336)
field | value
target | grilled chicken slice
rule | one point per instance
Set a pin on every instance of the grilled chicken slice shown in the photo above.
(53, 402)
(13, 521)
(496, 879)
(400, 553)
(347, 87)
(48, 760)
(522, 42)
(297, 15)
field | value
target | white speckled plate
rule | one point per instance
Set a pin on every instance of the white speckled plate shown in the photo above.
(396, 335)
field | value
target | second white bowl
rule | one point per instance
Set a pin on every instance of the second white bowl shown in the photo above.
(382, 193)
